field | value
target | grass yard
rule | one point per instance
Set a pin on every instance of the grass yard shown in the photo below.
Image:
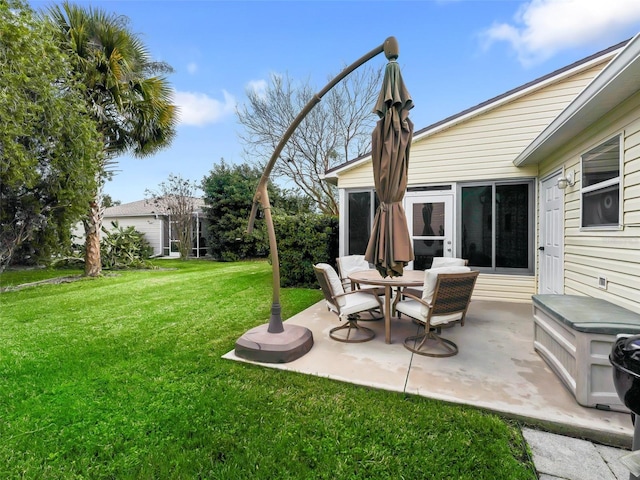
(121, 377)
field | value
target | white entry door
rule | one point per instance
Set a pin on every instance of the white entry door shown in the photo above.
(551, 242)
(430, 222)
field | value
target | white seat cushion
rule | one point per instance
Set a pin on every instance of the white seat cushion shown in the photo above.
(439, 262)
(349, 264)
(358, 302)
(415, 310)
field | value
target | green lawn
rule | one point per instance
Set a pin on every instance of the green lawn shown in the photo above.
(121, 377)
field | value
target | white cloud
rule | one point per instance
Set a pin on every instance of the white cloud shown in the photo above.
(192, 67)
(259, 87)
(542, 28)
(199, 109)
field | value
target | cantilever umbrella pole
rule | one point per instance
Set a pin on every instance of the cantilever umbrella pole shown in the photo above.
(275, 321)
(390, 47)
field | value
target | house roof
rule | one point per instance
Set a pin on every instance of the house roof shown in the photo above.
(332, 173)
(618, 81)
(142, 208)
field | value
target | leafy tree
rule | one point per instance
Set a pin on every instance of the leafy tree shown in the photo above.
(176, 198)
(303, 241)
(228, 195)
(335, 130)
(107, 201)
(125, 92)
(47, 141)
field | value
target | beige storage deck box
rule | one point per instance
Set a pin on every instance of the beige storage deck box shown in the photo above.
(574, 335)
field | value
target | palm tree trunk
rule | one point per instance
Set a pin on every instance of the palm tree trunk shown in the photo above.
(92, 229)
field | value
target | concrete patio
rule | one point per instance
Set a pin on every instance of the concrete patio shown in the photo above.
(497, 370)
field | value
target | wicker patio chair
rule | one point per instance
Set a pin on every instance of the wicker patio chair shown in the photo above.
(445, 299)
(439, 262)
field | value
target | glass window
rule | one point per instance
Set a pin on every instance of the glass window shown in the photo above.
(512, 226)
(360, 212)
(601, 185)
(497, 227)
(428, 219)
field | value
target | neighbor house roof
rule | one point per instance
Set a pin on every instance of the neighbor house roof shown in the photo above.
(332, 173)
(618, 81)
(142, 208)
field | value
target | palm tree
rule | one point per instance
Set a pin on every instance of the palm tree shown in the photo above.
(126, 93)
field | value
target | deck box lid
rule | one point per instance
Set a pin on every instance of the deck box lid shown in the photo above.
(589, 314)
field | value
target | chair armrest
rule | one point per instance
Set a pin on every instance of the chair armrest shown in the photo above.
(404, 293)
(413, 297)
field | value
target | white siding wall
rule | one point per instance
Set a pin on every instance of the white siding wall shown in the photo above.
(614, 254)
(150, 226)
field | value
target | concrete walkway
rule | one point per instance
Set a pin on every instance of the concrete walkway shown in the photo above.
(568, 458)
(496, 369)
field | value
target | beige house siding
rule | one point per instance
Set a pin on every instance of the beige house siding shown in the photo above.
(614, 254)
(358, 177)
(632, 174)
(483, 147)
(504, 288)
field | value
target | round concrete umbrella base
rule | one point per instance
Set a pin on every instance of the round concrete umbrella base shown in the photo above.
(259, 345)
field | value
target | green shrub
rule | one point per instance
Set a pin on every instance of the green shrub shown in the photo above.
(228, 195)
(304, 240)
(124, 248)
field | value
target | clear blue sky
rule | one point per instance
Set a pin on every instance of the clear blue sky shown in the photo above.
(454, 54)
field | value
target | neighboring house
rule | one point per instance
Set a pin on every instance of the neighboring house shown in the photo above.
(479, 181)
(156, 226)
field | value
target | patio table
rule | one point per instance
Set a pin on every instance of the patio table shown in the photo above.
(410, 278)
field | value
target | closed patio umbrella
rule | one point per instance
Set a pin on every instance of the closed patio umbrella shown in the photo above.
(389, 247)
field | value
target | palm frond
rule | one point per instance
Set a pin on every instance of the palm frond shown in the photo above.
(132, 105)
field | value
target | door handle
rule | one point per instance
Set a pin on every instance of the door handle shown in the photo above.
(541, 249)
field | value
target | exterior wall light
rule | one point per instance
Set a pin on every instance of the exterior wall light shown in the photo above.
(569, 180)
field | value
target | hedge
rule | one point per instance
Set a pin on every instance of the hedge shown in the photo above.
(303, 241)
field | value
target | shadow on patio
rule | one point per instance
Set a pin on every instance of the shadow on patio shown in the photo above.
(497, 369)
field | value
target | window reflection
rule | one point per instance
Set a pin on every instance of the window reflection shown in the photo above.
(428, 219)
(506, 242)
(424, 251)
(512, 226)
(601, 185)
(359, 222)
(477, 204)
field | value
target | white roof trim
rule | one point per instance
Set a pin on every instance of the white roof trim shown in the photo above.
(617, 82)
